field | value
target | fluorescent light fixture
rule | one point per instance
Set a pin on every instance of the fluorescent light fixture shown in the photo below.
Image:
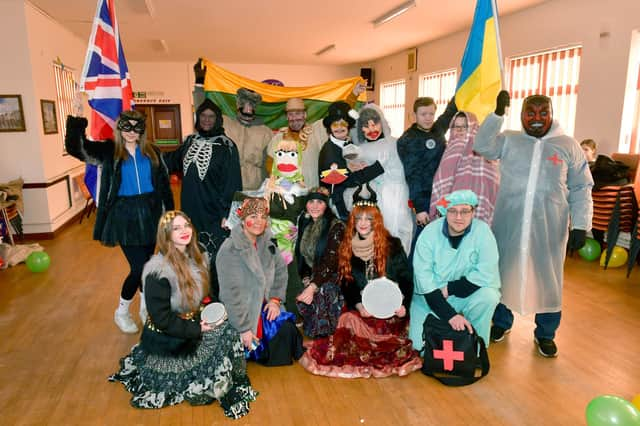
(393, 13)
(325, 49)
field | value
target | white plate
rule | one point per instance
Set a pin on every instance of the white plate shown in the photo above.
(214, 314)
(382, 298)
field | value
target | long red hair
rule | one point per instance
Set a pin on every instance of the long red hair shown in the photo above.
(380, 243)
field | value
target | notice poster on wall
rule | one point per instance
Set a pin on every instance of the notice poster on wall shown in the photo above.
(164, 124)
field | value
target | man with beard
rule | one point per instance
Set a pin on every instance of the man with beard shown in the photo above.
(544, 200)
(210, 165)
(251, 136)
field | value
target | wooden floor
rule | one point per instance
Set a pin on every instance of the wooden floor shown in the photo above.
(58, 344)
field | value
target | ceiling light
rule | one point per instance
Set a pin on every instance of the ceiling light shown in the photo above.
(394, 13)
(325, 49)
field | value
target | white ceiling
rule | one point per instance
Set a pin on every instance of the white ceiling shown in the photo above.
(271, 31)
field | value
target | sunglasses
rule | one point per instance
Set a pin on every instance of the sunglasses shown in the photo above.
(126, 126)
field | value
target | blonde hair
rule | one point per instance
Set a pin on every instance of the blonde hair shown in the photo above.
(120, 152)
(179, 261)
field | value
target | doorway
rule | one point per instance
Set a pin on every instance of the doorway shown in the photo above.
(163, 125)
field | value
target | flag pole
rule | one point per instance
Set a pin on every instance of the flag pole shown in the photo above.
(494, 7)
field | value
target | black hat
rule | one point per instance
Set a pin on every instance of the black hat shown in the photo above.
(338, 111)
(318, 193)
(367, 197)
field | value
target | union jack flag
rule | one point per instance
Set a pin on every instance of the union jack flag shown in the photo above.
(105, 78)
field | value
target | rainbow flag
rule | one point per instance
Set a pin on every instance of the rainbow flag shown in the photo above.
(220, 86)
(481, 76)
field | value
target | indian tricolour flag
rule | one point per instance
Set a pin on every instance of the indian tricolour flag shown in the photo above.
(221, 85)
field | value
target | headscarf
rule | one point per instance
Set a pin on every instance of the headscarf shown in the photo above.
(253, 205)
(462, 168)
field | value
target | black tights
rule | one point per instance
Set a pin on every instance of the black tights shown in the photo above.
(137, 256)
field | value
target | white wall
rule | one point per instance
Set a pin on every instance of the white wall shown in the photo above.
(19, 151)
(36, 41)
(603, 73)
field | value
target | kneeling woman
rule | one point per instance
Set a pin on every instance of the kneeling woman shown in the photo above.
(253, 282)
(364, 346)
(181, 357)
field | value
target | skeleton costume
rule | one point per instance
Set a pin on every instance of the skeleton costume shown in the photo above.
(210, 166)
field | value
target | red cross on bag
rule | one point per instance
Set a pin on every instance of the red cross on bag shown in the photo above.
(448, 355)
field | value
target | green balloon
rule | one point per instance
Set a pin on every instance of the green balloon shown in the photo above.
(38, 261)
(609, 410)
(591, 250)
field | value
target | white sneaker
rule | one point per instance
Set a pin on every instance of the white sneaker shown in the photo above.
(125, 323)
(143, 316)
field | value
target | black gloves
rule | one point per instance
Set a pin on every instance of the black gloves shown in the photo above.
(502, 102)
(199, 71)
(76, 123)
(577, 239)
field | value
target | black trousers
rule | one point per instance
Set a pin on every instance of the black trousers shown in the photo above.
(137, 256)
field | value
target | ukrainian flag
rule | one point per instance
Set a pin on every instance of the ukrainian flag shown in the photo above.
(220, 85)
(481, 76)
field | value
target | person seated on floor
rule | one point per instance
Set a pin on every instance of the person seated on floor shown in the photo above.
(456, 270)
(365, 346)
(253, 282)
(181, 357)
(319, 236)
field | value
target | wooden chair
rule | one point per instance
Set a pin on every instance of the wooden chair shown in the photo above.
(89, 205)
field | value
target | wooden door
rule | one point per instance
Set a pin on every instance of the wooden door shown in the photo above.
(163, 125)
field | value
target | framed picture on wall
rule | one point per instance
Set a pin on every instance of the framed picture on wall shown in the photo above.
(11, 114)
(49, 119)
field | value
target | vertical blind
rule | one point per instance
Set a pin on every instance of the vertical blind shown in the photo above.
(392, 95)
(441, 86)
(66, 89)
(553, 73)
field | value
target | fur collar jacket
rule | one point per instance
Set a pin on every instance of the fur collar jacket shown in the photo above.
(249, 275)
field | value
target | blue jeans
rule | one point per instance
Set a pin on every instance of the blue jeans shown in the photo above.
(546, 323)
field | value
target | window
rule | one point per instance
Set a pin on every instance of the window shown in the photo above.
(392, 104)
(66, 89)
(441, 86)
(552, 73)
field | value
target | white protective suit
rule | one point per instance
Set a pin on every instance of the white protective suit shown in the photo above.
(544, 183)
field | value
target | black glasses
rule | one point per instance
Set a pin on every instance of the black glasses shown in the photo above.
(126, 126)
